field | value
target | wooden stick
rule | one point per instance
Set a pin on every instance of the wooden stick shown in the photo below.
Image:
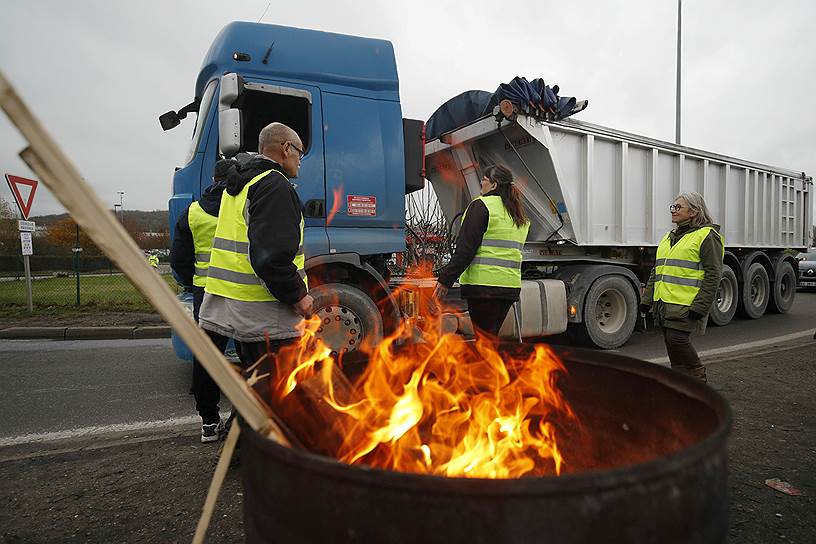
(216, 483)
(320, 428)
(60, 175)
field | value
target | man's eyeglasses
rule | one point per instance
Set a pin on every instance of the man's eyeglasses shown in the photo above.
(301, 153)
(676, 207)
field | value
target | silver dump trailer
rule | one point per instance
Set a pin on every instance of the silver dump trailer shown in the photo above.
(598, 201)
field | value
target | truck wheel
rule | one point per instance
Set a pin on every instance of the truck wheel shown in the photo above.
(756, 292)
(725, 305)
(350, 318)
(610, 313)
(784, 289)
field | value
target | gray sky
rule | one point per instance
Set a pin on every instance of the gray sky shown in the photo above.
(98, 73)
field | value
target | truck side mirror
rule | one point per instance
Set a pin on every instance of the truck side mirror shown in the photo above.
(232, 86)
(169, 120)
(230, 126)
(229, 132)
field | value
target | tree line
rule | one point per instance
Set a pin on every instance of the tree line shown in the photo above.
(61, 234)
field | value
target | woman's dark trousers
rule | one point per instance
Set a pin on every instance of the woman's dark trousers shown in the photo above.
(487, 314)
(682, 355)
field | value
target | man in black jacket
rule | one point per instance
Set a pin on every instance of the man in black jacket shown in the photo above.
(192, 244)
(256, 287)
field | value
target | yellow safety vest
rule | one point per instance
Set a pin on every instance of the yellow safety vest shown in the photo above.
(498, 260)
(678, 270)
(202, 225)
(230, 274)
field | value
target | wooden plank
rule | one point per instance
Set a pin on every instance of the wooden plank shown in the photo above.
(60, 175)
(321, 429)
(216, 483)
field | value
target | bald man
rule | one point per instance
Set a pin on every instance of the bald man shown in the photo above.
(256, 283)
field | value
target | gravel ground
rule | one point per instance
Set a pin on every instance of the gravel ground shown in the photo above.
(151, 488)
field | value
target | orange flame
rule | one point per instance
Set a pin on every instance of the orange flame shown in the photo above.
(337, 193)
(442, 406)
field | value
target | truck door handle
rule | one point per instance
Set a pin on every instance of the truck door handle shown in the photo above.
(315, 208)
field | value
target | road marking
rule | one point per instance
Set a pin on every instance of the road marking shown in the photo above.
(96, 430)
(743, 347)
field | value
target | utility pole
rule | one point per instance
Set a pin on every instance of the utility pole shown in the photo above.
(677, 109)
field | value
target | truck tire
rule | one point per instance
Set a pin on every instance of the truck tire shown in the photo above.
(727, 300)
(783, 290)
(610, 313)
(350, 318)
(756, 292)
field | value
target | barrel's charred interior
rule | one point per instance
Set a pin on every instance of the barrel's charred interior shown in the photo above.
(613, 450)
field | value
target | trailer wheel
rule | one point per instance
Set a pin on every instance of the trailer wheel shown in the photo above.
(783, 290)
(725, 305)
(756, 292)
(610, 313)
(349, 317)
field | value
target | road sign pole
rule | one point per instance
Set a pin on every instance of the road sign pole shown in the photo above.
(27, 229)
(27, 267)
(77, 249)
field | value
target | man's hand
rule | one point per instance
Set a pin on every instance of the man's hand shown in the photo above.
(303, 306)
(645, 308)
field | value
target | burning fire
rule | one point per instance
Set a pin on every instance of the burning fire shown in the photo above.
(441, 406)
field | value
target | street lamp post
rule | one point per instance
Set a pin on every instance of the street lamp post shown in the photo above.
(677, 110)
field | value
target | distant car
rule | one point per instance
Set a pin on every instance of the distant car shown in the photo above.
(807, 269)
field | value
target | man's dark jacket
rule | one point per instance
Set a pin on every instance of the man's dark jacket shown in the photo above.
(182, 252)
(274, 214)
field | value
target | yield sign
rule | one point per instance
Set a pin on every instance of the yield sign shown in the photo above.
(24, 204)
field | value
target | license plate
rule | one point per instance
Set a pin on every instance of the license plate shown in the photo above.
(807, 283)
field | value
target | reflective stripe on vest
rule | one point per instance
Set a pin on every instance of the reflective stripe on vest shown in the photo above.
(498, 260)
(230, 272)
(202, 225)
(678, 271)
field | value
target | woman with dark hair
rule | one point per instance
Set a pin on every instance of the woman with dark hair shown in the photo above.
(487, 261)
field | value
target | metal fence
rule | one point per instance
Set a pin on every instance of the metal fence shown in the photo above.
(86, 282)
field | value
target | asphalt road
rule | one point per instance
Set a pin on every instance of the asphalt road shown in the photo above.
(739, 332)
(78, 386)
(65, 389)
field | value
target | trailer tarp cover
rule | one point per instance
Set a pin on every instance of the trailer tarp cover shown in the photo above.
(534, 98)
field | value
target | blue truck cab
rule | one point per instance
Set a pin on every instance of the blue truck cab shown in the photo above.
(341, 95)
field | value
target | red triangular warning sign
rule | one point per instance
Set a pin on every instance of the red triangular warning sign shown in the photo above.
(23, 203)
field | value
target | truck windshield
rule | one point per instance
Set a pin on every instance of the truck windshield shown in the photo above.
(201, 117)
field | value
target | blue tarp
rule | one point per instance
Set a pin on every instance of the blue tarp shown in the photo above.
(534, 98)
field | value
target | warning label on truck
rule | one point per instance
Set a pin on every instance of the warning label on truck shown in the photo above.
(361, 205)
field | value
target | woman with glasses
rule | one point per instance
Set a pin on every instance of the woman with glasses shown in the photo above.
(487, 261)
(684, 281)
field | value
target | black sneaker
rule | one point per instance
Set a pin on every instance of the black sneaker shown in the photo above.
(210, 432)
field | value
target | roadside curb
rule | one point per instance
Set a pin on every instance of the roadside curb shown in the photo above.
(85, 333)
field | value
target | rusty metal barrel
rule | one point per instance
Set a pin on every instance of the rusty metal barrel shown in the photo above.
(646, 464)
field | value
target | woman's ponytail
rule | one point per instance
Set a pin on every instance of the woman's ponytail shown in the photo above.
(511, 199)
